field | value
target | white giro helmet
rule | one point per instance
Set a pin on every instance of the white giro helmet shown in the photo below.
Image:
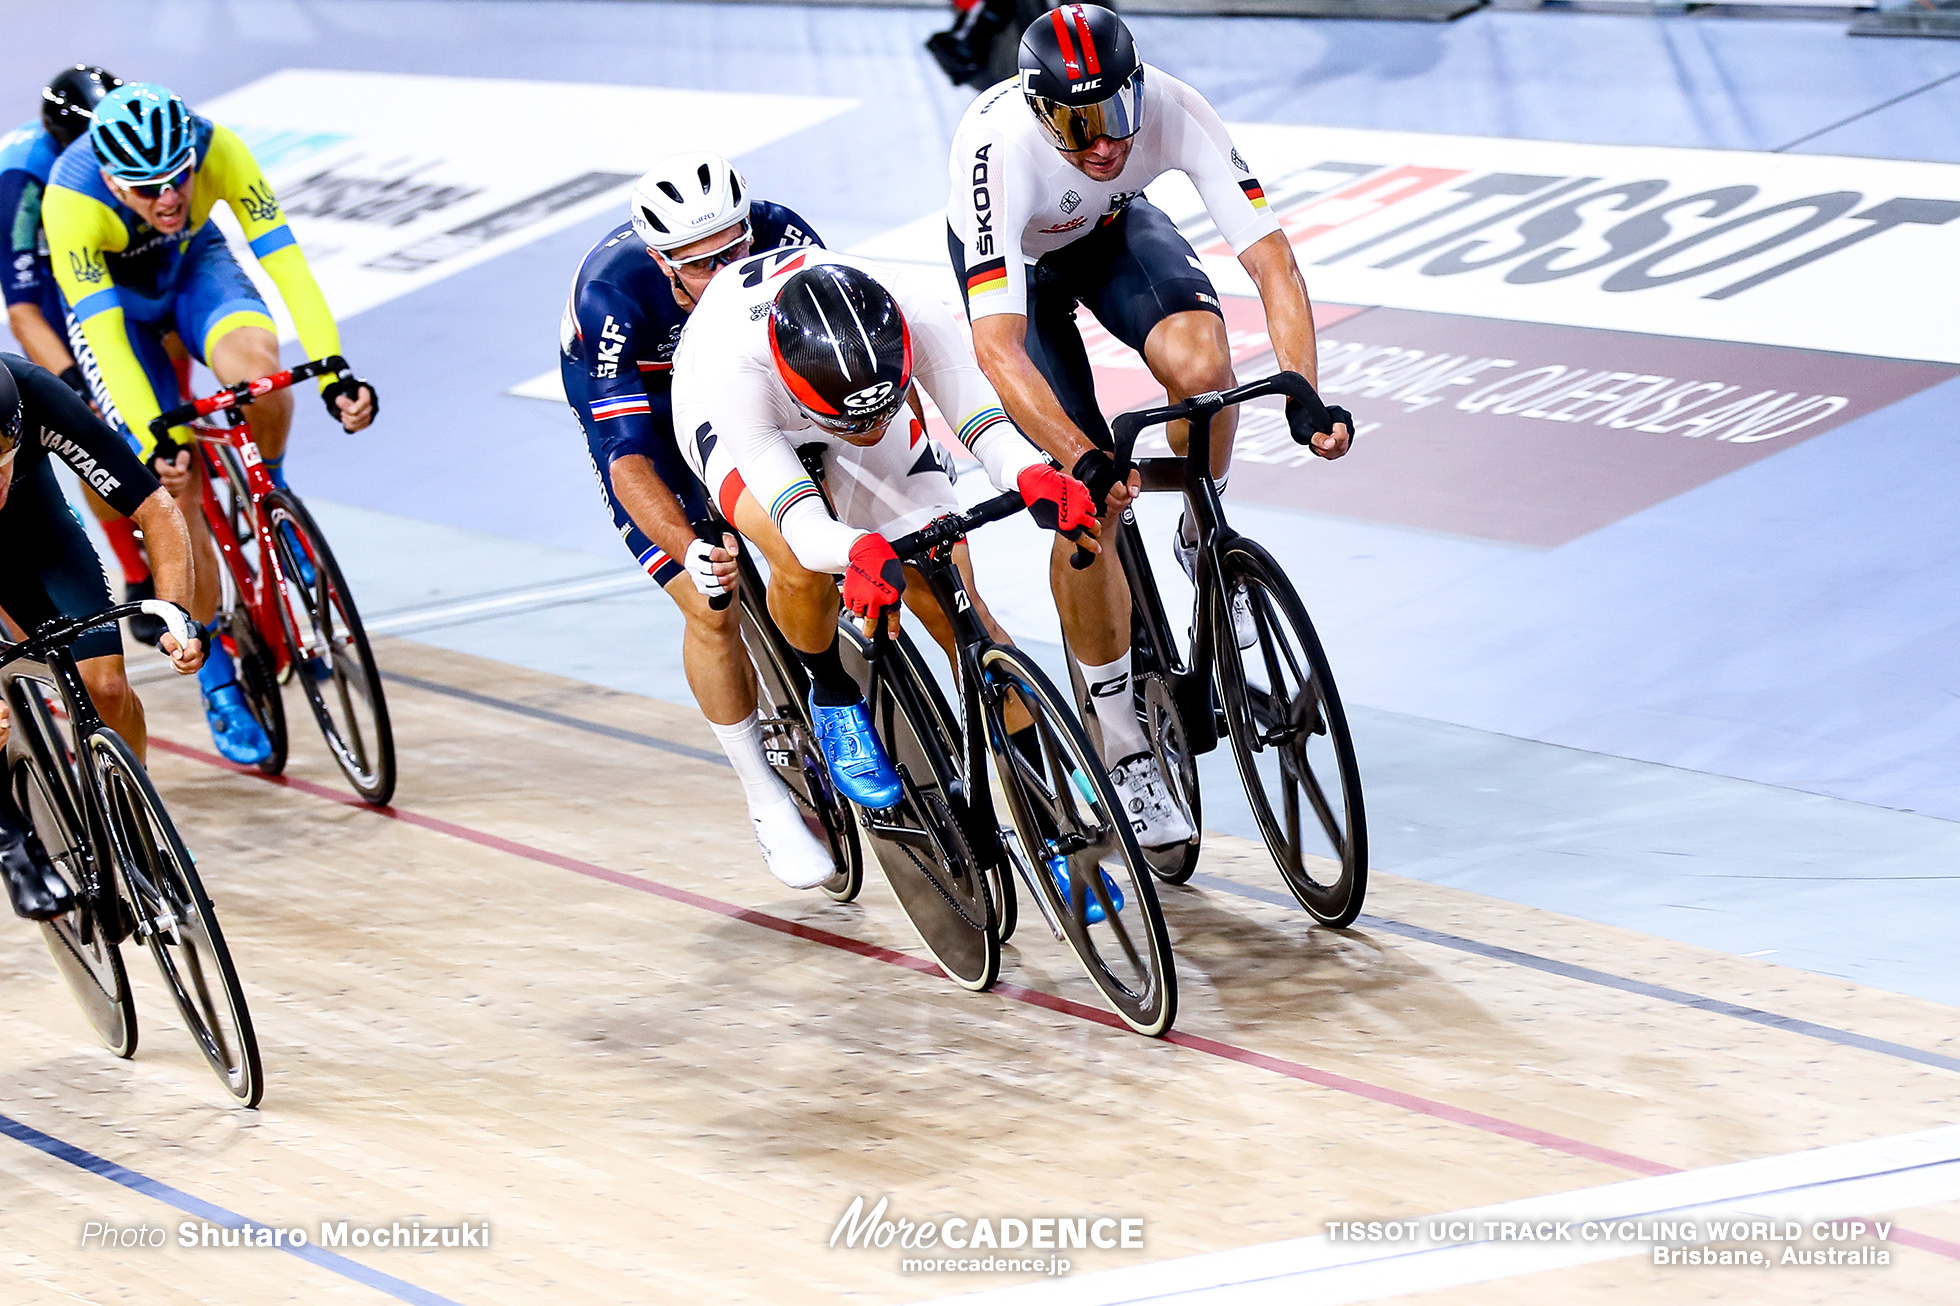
(688, 196)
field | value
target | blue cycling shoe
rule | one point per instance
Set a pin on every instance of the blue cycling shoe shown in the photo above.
(234, 730)
(857, 761)
(1058, 871)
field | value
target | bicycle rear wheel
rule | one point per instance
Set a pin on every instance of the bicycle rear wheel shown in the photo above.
(41, 778)
(943, 888)
(331, 656)
(175, 918)
(790, 746)
(1069, 824)
(1291, 739)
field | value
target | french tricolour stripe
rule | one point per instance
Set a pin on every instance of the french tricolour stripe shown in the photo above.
(620, 407)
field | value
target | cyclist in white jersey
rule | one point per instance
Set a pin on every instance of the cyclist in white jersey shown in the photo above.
(801, 347)
(1046, 212)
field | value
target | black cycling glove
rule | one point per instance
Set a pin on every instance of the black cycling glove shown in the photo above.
(1098, 470)
(349, 388)
(1308, 420)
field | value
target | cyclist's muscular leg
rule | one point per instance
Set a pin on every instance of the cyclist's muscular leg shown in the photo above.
(116, 702)
(247, 353)
(718, 669)
(804, 603)
(1190, 354)
(920, 601)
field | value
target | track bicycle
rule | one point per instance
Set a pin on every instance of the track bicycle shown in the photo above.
(91, 804)
(286, 609)
(1275, 700)
(943, 847)
(789, 742)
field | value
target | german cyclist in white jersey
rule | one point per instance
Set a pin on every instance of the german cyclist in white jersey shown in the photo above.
(800, 348)
(1046, 212)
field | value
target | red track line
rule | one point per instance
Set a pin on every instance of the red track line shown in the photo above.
(1033, 997)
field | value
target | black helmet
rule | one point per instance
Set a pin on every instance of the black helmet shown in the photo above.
(842, 347)
(11, 417)
(69, 100)
(1081, 76)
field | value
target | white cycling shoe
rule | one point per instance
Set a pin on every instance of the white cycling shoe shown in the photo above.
(1244, 627)
(795, 856)
(1147, 802)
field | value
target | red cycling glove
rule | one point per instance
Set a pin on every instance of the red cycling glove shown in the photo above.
(874, 580)
(1056, 501)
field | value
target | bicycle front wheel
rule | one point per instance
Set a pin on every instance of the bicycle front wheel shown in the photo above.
(1073, 846)
(1291, 739)
(42, 782)
(175, 918)
(330, 653)
(921, 848)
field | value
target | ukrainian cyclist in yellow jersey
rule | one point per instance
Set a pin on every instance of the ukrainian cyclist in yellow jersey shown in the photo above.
(127, 212)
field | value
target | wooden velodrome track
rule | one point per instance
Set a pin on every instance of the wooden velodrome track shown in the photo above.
(556, 989)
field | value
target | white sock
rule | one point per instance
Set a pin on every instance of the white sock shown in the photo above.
(742, 742)
(1111, 694)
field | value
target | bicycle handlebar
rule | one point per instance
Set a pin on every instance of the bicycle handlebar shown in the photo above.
(710, 530)
(55, 634)
(952, 528)
(237, 396)
(1291, 384)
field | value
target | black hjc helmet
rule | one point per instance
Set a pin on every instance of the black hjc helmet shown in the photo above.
(1081, 76)
(69, 100)
(842, 347)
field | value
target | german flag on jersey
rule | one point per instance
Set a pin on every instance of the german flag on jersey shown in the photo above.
(984, 277)
(1254, 192)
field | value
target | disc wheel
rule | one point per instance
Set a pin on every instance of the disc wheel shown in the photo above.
(790, 746)
(1073, 845)
(1290, 737)
(330, 654)
(41, 778)
(944, 890)
(174, 917)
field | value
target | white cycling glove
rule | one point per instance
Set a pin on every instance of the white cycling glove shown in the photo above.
(702, 571)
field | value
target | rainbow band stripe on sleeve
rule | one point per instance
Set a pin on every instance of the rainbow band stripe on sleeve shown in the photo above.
(986, 277)
(1254, 192)
(796, 492)
(980, 423)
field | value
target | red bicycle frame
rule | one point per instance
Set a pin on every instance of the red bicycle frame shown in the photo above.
(262, 591)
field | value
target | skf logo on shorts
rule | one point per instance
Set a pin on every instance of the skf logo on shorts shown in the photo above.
(870, 397)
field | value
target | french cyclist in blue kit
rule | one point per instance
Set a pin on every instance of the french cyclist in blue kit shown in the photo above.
(691, 215)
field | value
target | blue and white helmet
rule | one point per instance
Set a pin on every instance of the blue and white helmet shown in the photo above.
(687, 196)
(142, 133)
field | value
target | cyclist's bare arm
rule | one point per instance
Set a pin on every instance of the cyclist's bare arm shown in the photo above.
(38, 340)
(657, 513)
(1001, 342)
(1289, 319)
(168, 542)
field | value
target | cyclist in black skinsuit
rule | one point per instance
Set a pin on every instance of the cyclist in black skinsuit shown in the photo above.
(48, 570)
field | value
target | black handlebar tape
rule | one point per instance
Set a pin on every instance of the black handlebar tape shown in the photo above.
(1081, 559)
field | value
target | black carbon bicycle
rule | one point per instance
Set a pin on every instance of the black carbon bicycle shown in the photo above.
(93, 807)
(1273, 698)
(789, 742)
(949, 858)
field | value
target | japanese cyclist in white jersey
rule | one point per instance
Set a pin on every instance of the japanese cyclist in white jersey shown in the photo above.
(1047, 212)
(800, 352)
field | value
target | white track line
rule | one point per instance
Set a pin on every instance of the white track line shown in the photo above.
(1847, 1181)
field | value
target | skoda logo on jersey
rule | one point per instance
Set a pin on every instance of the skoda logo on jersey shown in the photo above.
(869, 398)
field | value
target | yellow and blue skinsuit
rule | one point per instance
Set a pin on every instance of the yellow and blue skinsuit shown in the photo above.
(127, 283)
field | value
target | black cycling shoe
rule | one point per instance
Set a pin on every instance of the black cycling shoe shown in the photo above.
(143, 626)
(36, 891)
